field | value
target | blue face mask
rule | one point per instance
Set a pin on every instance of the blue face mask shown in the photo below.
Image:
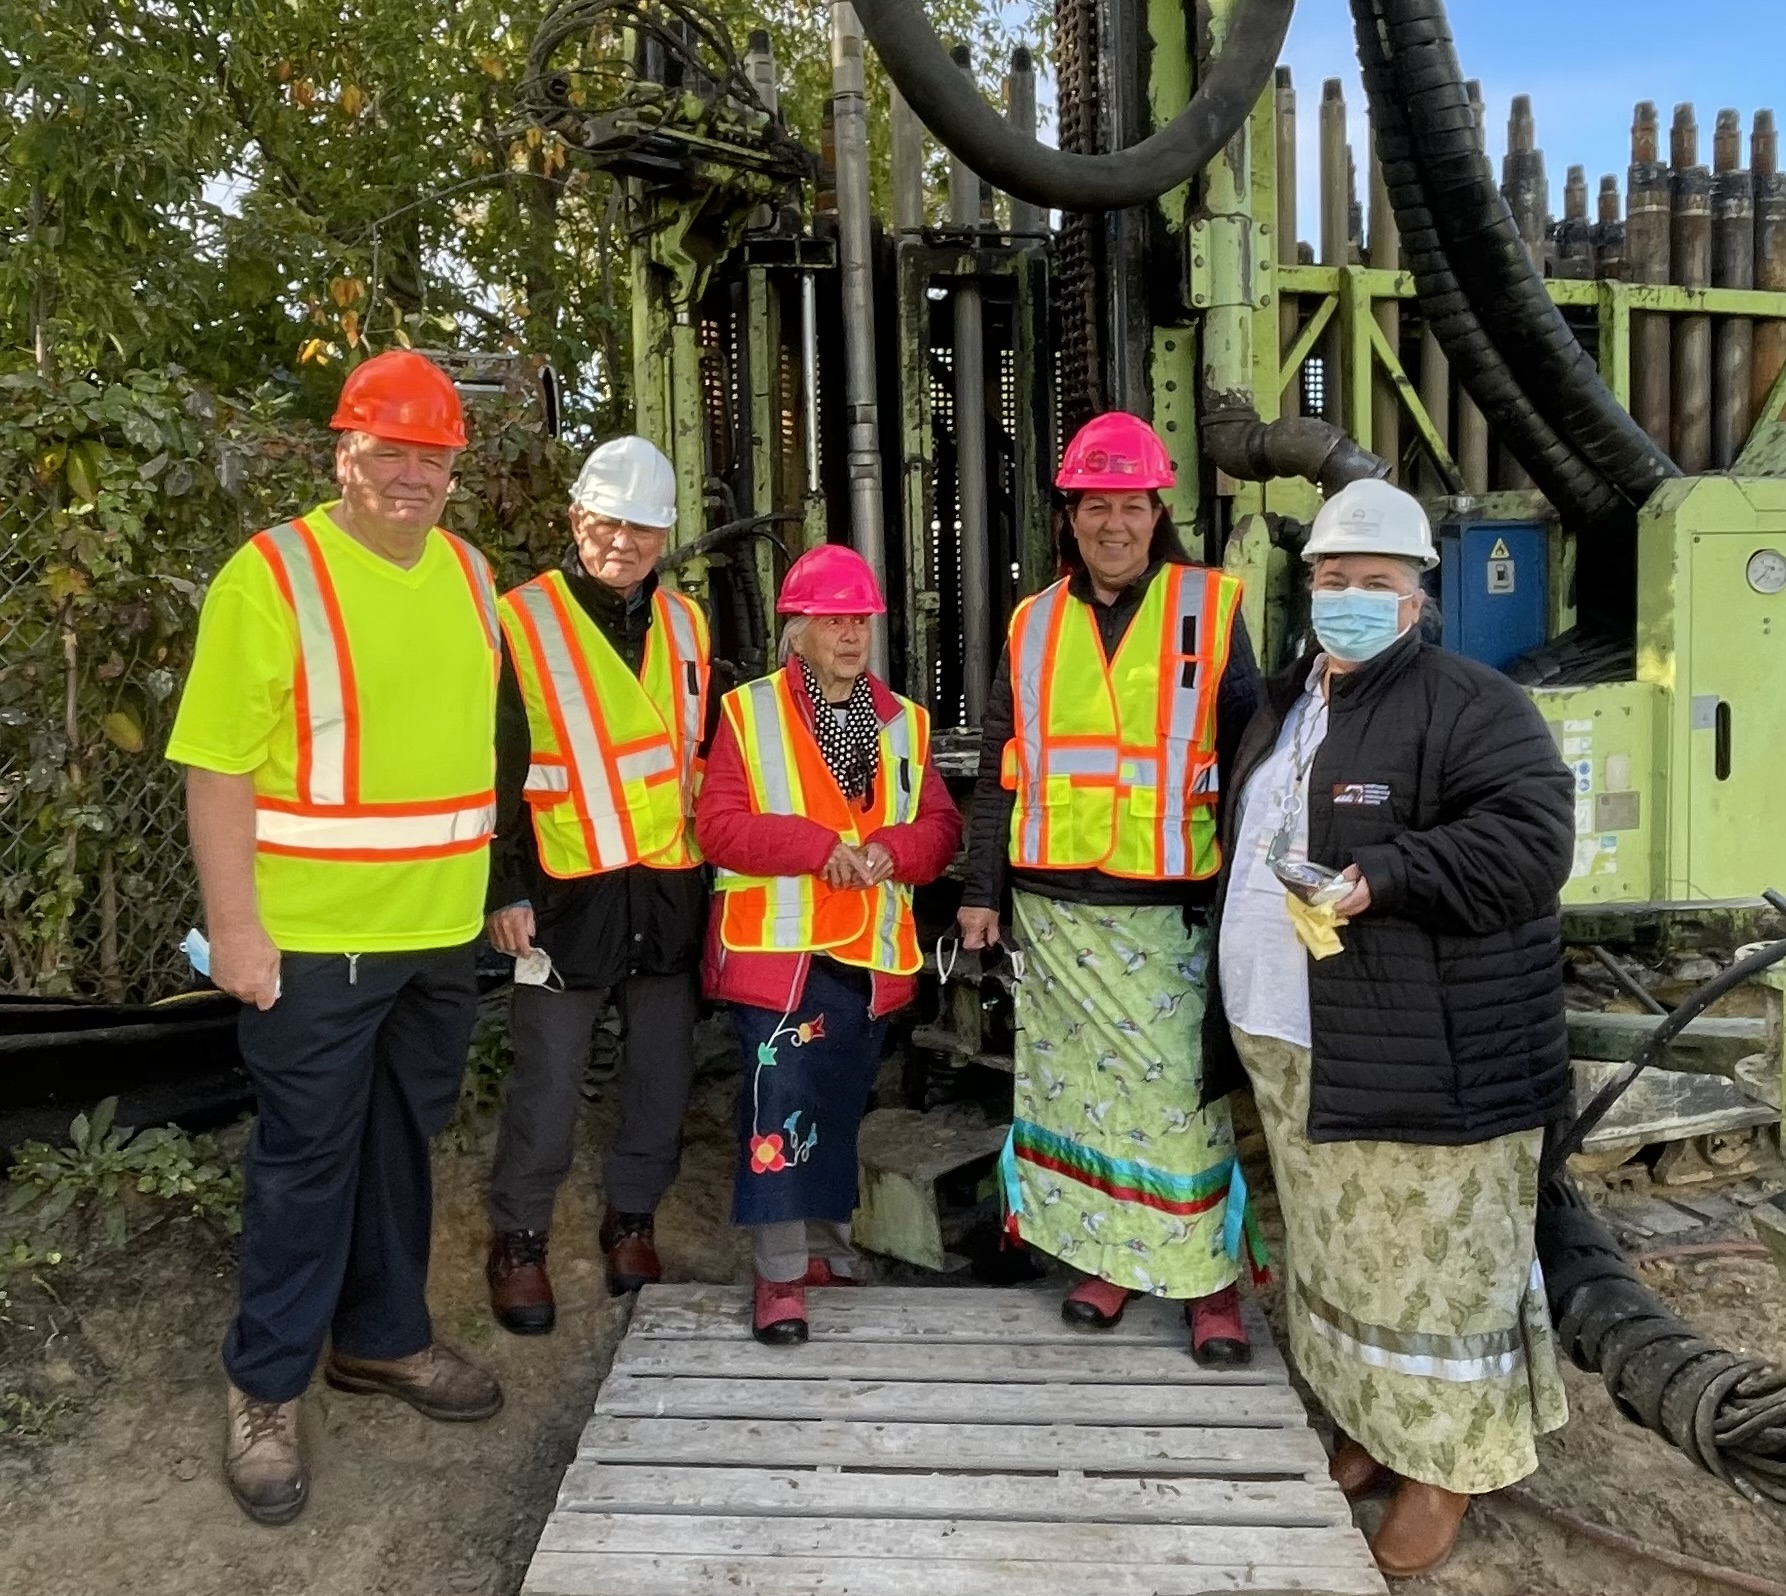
(1355, 624)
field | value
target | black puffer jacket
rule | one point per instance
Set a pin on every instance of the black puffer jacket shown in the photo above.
(1442, 1021)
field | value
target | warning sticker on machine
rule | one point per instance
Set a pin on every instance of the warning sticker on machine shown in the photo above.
(1500, 550)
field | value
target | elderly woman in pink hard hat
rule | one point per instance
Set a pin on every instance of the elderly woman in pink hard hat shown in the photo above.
(1117, 700)
(821, 811)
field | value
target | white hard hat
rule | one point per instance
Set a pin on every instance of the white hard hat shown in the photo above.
(628, 479)
(1372, 517)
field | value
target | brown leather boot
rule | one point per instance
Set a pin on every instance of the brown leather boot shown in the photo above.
(436, 1382)
(520, 1288)
(629, 1252)
(1419, 1530)
(263, 1458)
(1356, 1472)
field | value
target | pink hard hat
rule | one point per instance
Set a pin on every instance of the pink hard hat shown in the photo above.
(830, 580)
(1115, 453)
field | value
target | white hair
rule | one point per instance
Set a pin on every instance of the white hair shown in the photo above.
(792, 631)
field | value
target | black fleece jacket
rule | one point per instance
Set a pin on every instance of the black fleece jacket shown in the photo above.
(598, 929)
(1442, 1021)
(989, 823)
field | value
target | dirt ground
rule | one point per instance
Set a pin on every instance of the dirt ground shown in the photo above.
(124, 1493)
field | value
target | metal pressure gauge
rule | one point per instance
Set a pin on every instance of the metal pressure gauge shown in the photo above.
(1767, 571)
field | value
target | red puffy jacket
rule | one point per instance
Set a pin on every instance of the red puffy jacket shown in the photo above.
(734, 837)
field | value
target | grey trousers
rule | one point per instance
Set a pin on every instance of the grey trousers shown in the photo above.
(783, 1250)
(551, 1033)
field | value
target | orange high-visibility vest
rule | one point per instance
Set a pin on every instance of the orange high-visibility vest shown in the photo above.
(614, 768)
(327, 819)
(1113, 762)
(871, 927)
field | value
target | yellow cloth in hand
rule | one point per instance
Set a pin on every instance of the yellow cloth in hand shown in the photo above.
(1316, 926)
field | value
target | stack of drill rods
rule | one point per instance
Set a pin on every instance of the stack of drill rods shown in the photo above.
(1698, 382)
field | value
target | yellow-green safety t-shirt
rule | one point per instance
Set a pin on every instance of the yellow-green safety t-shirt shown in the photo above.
(425, 689)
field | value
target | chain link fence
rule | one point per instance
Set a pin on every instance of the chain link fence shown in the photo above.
(117, 505)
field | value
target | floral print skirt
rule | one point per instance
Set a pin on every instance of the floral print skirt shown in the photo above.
(807, 1077)
(1112, 1166)
(1412, 1289)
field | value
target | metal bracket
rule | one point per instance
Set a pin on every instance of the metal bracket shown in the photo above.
(1222, 269)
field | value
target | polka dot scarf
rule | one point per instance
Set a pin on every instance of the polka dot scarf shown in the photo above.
(850, 744)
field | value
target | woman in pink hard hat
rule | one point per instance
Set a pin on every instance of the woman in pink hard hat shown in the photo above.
(821, 810)
(1121, 691)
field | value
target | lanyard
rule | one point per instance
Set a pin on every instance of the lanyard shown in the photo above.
(1290, 801)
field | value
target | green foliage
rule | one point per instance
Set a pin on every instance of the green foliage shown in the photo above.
(20, 1259)
(480, 1091)
(23, 1419)
(103, 1162)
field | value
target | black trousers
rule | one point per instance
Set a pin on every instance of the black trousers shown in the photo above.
(551, 1033)
(355, 1069)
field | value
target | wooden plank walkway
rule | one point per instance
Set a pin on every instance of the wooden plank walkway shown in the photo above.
(941, 1442)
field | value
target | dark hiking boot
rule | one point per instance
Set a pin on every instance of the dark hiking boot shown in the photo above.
(263, 1458)
(436, 1382)
(629, 1252)
(520, 1288)
(1095, 1303)
(1218, 1337)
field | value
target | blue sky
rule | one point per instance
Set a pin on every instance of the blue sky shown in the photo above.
(1585, 63)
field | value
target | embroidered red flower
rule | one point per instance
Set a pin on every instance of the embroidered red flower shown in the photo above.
(766, 1155)
(810, 1030)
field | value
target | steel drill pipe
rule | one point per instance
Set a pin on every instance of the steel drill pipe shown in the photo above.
(1472, 425)
(1609, 233)
(1648, 253)
(970, 443)
(1575, 233)
(1692, 353)
(957, 114)
(1027, 220)
(1733, 266)
(1336, 243)
(1770, 253)
(1385, 255)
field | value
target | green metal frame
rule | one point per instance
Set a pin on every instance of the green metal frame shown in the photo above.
(1351, 293)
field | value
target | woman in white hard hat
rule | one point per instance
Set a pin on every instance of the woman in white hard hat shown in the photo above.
(596, 883)
(1405, 1039)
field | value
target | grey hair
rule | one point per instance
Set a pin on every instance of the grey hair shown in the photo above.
(1415, 569)
(791, 633)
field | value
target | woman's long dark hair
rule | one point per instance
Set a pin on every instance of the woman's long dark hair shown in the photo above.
(1167, 545)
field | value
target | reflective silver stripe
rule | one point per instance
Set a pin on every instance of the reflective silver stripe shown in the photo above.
(1029, 647)
(483, 587)
(1458, 1359)
(547, 778)
(1181, 722)
(326, 833)
(600, 801)
(1080, 762)
(320, 662)
(787, 903)
(686, 652)
(646, 762)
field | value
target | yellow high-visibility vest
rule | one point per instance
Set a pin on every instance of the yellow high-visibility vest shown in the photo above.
(329, 816)
(614, 768)
(870, 927)
(1113, 761)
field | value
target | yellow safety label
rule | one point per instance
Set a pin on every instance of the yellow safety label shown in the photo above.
(1500, 551)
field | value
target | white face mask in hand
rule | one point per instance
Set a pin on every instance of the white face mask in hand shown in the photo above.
(534, 968)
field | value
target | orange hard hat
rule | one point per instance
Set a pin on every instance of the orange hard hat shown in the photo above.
(830, 580)
(403, 397)
(1115, 453)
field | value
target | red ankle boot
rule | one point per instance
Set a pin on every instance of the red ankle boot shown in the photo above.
(1095, 1303)
(1218, 1338)
(779, 1314)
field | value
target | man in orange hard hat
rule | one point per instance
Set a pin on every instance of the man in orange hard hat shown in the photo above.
(338, 729)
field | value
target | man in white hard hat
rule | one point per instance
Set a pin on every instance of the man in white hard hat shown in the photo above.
(596, 884)
(1410, 1061)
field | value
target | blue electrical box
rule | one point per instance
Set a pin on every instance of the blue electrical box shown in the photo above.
(1494, 588)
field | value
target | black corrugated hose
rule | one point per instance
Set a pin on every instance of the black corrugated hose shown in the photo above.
(1475, 230)
(1726, 1412)
(947, 103)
